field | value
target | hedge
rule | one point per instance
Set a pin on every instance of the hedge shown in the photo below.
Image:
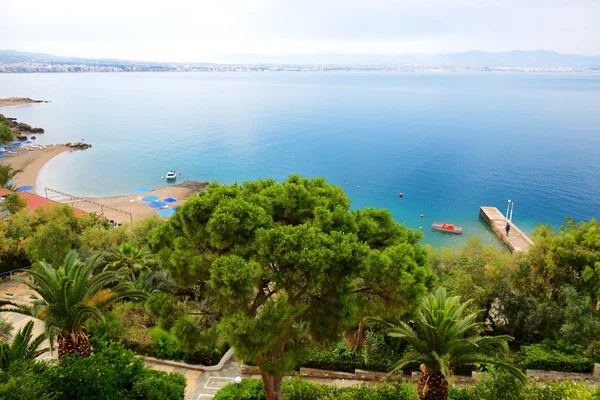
(296, 389)
(539, 356)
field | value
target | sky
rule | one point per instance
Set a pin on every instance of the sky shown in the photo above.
(202, 30)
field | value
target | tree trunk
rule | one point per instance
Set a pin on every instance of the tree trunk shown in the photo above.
(432, 387)
(272, 385)
(74, 342)
(360, 336)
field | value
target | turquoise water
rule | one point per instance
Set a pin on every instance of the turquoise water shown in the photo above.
(449, 142)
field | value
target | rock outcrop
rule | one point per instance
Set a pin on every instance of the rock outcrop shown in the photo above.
(78, 145)
(21, 128)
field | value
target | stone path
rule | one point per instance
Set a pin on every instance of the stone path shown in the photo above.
(202, 385)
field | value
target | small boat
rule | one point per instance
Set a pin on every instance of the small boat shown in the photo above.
(444, 227)
(171, 175)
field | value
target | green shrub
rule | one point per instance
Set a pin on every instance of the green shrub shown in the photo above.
(501, 386)
(158, 386)
(540, 356)
(302, 390)
(375, 355)
(6, 134)
(383, 391)
(165, 344)
(110, 373)
(248, 389)
(186, 332)
(296, 389)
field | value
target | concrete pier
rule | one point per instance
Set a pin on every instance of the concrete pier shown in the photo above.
(516, 241)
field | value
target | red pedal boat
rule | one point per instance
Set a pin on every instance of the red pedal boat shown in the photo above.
(444, 227)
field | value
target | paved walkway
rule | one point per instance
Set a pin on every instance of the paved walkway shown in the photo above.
(203, 385)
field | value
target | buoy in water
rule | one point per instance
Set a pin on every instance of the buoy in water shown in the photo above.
(400, 194)
(358, 187)
(421, 215)
(345, 182)
(421, 227)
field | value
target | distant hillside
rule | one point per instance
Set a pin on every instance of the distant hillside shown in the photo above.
(540, 58)
(13, 56)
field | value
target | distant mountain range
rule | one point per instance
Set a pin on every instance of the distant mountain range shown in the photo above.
(540, 58)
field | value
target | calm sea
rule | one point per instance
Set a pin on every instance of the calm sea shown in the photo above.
(449, 142)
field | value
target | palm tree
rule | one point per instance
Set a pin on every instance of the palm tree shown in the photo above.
(7, 174)
(68, 296)
(442, 340)
(21, 348)
(133, 257)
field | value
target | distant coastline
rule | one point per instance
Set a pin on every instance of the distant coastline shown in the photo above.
(17, 101)
(472, 61)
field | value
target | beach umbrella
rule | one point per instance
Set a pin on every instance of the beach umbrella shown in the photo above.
(2, 155)
(170, 200)
(8, 183)
(11, 148)
(16, 142)
(157, 204)
(149, 199)
(29, 142)
(141, 189)
(24, 188)
(3, 145)
(166, 213)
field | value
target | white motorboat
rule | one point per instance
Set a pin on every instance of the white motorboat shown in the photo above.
(171, 175)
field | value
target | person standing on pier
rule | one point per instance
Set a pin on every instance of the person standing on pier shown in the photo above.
(507, 228)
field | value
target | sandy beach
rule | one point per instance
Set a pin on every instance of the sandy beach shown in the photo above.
(120, 208)
(117, 208)
(31, 161)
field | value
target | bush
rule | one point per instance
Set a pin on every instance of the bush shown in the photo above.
(157, 386)
(375, 355)
(540, 356)
(501, 386)
(111, 372)
(165, 344)
(248, 389)
(296, 389)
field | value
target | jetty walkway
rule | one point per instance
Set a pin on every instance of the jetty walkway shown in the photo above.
(516, 241)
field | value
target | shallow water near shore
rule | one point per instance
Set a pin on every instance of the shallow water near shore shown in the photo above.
(449, 142)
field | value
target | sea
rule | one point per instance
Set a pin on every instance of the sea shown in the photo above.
(449, 142)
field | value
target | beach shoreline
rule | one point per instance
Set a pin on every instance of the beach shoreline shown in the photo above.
(123, 208)
(31, 162)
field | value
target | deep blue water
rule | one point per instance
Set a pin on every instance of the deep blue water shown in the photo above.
(449, 142)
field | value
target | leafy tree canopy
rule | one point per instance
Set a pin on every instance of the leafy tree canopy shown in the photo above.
(288, 262)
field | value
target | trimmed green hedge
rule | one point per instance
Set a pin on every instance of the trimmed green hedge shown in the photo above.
(503, 387)
(296, 389)
(540, 356)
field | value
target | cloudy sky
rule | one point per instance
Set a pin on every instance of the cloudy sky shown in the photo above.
(200, 30)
